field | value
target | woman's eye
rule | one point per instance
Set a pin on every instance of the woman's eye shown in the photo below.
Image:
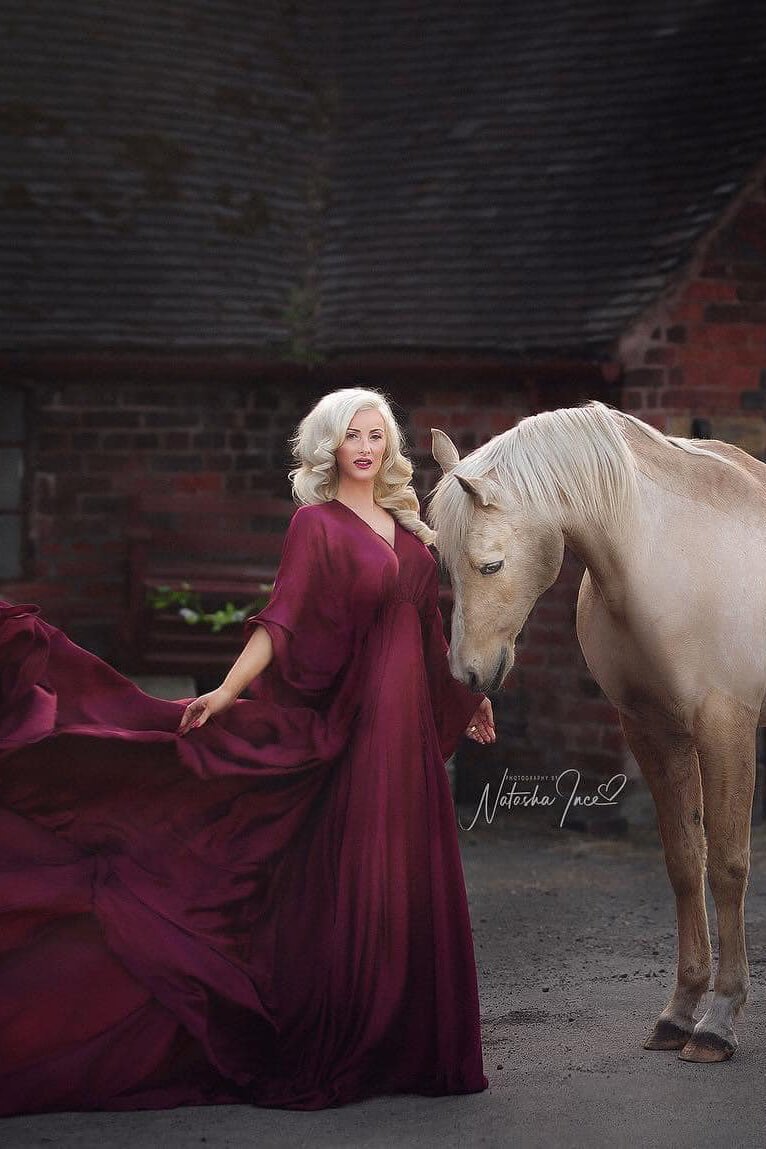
(491, 568)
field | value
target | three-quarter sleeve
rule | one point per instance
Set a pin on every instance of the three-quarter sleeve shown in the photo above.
(453, 703)
(309, 626)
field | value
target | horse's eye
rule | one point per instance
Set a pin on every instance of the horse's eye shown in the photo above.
(491, 568)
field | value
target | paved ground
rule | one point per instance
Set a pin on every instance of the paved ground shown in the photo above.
(575, 945)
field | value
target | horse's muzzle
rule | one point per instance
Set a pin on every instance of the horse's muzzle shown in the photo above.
(496, 681)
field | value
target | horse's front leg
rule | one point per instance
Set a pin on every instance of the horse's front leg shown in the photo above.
(725, 735)
(669, 763)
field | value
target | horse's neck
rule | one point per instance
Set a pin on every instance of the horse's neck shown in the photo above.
(605, 549)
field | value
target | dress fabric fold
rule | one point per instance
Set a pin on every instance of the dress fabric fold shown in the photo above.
(270, 909)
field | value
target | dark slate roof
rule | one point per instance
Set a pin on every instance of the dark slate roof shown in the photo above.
(498, 176)
(154, 171)
(527, 176)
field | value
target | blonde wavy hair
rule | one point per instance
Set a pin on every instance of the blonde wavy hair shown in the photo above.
(323, 430)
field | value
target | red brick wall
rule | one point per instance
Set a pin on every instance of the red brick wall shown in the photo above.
(701, 352)
(95, 444)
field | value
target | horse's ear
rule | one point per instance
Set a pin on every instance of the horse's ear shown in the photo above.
(481, 490)
(443, 450)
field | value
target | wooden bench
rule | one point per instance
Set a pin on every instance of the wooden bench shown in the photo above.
(227, 548)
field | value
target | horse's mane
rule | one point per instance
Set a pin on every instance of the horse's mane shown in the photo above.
(574, 460)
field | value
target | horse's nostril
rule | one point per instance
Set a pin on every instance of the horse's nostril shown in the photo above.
(473, 682)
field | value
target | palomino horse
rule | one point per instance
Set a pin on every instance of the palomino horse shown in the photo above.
(671, 618)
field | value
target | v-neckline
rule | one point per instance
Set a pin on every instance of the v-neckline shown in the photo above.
(371, 528)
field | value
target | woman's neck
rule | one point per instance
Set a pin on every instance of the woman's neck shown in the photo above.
(359, 497)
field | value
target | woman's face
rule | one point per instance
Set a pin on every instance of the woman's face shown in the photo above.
(360, 455)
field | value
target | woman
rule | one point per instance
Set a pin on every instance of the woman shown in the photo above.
(263, 901)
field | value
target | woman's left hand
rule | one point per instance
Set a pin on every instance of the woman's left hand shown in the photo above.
(481, 728)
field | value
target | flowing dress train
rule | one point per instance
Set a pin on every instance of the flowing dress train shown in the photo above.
(270, 909)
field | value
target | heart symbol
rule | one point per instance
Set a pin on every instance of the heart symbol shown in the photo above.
(610, 791)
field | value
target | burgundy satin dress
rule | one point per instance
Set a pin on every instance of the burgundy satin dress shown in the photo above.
(270, 909)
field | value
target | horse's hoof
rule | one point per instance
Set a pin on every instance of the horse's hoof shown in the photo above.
(667, 1035)
(707, 1048)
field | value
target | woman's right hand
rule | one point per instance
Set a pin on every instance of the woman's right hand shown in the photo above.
(200, 709)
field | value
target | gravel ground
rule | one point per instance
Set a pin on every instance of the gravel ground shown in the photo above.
(575, 945)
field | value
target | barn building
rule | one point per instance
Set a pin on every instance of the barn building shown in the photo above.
(212, 213)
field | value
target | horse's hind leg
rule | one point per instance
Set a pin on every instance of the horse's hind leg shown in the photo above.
(668, 761)
(725, 734)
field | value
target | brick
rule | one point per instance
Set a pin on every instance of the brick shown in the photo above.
(170, 463)
(676, 333)
(207, 481)
(709, 290)
(735, 313)
(661, 355)
(690, 311)
(551, 610)
(747, 355)
(209, 439)
(698, 376)
(215, 419)
(58, 461)
(528, 657)
(56, 417)
(69, 486)
(257, 421)
(145, 440)
(753, 400)
(644, 377)
(176, 440)
(248, 462)
(750, 226)
(425, 417)
(675, 398)
(714, 269)
(219, 462)
(171, 419)
(54, 441)
(754, 292)
(117, 442)
(755, 272)
(85, 440)
(100, 504)
(101, 462)
(501, 421)
(724, 334)
(111, 418)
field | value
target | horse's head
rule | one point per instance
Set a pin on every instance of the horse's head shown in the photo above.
(500, 558)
